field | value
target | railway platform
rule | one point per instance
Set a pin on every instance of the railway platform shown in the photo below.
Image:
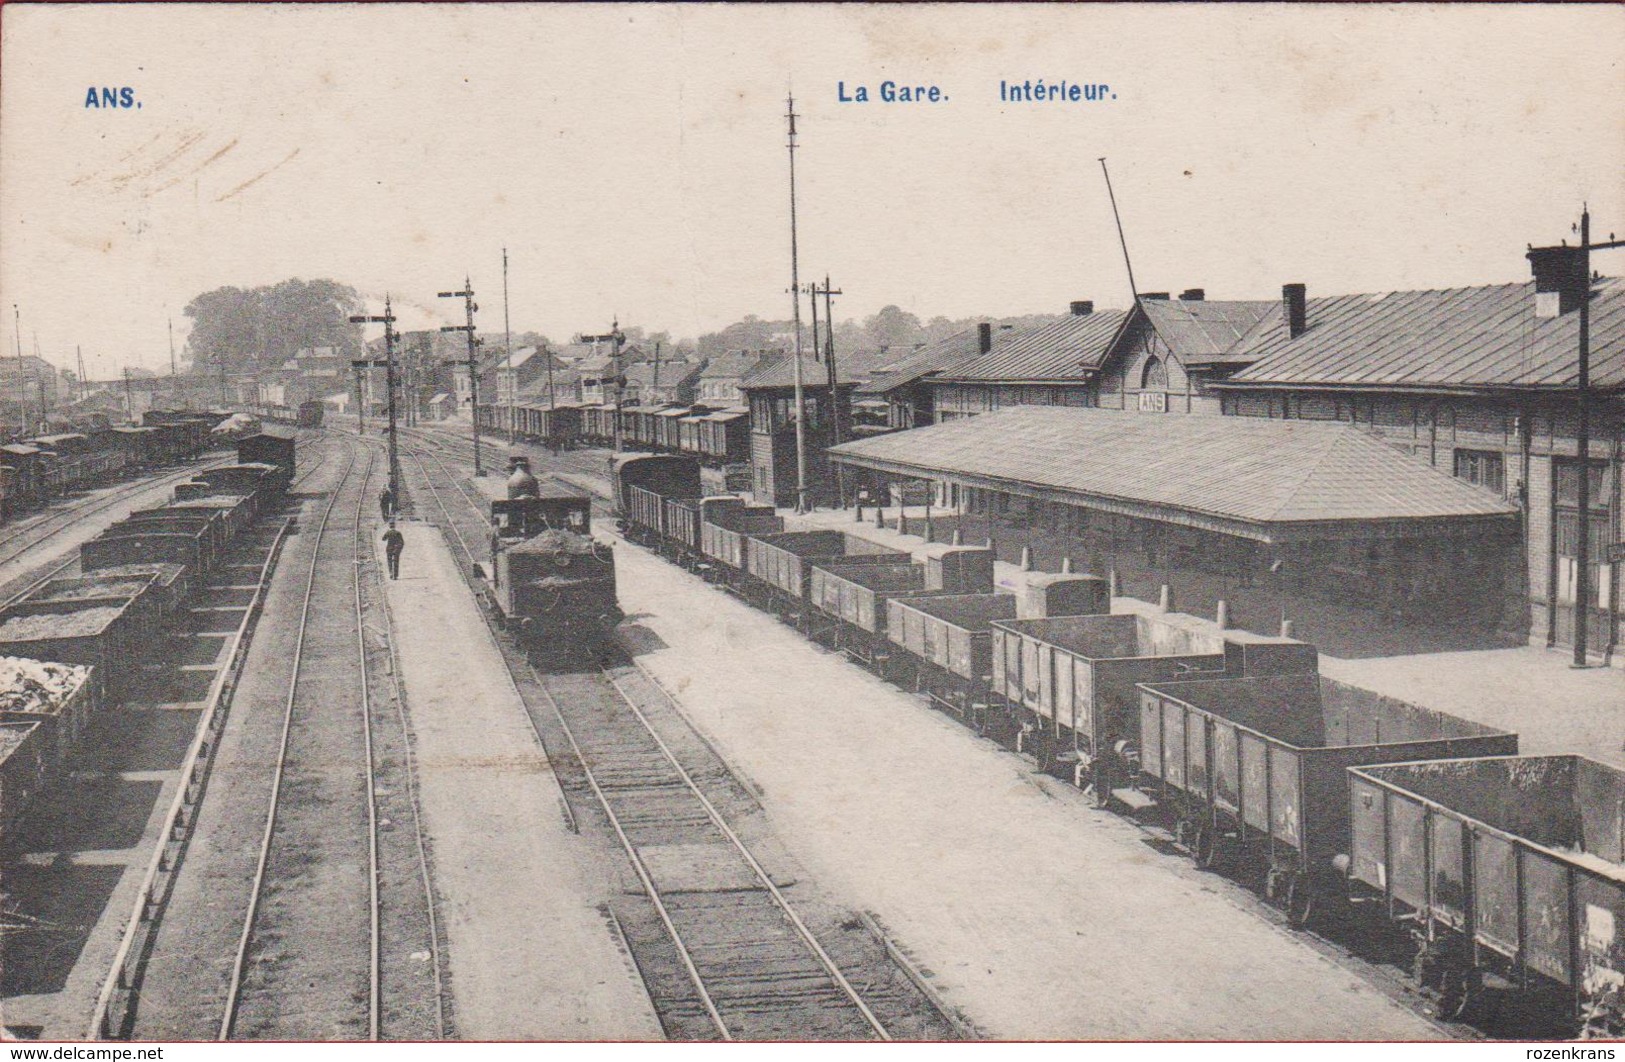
(530, 955)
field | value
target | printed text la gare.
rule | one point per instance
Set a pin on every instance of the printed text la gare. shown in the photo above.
(116, 97)
(890, 92)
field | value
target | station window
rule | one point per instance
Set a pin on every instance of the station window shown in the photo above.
(1483, 468)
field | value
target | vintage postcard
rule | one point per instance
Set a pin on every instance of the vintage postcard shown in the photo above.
(642, 522)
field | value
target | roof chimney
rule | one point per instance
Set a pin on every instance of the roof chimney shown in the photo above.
(1295, 304)
(1560, 279)
(1154, 296)
(984, 337)
(1192, 295)
(1082, 308)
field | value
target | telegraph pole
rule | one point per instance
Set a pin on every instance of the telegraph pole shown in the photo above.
(360, 366)
(829, 368)
(387, 319)
(795, 294)
(615, 337)
(507, 353)
(473, 362)
(84, 385)
(1577, 269)
(22, 368)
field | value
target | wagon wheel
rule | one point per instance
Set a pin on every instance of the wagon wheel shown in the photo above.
(1045, 754)
(1299, 900)
(1210, 853)
(1102, 786)
(1459, 991)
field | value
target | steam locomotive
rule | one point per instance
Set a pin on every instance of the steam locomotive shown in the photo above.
(549, 579)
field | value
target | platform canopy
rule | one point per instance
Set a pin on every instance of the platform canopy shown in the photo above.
(1268, 480)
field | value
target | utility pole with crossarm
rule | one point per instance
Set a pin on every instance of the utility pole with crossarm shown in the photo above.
(473, 361)
(387, 319)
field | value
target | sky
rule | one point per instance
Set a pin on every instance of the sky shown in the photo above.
(632, 158)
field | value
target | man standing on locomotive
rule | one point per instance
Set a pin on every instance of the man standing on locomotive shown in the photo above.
(394, 544)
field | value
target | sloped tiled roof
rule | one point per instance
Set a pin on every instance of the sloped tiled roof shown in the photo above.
(1456, 337)
(1201, 331)
(944, 355)
(564, 384)
(731, 365)
(1263, 479)
(780, 372)
(1071, 348)
(672, 373)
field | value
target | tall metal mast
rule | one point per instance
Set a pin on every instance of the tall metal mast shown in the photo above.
(388, 321)
(473, 362)
(1134, 291)
(507, 352)
(795, 295)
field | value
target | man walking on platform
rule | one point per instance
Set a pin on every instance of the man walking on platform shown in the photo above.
(386, 503)
(394, 543)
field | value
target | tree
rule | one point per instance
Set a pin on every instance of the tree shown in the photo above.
(260, 328)
(894, 327)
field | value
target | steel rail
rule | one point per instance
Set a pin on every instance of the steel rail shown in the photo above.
(417, 821)
(199, 753)
(234, 988)
(638, 866)
(375, 963)
(119, 493)
(806, 934)
(761, 873)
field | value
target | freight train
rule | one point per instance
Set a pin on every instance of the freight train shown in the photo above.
(73, 644)
(548, 578)
(1342, 806)
(717, 438)
(35, 471)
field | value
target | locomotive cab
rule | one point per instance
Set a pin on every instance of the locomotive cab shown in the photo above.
(547, 576)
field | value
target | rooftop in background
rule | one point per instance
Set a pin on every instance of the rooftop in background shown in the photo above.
(733, 364)
(780, 371)
(1203, 332)
(671, 373)
(1070, 348)
(1270, 480)
(942, 356)
(1481, 337)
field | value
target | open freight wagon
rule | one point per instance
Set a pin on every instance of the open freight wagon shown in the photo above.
(1508, 870)
(1067, 684)
(729, 523)
(949, 640)
(780, 566)
(855, 599)
(1253, 772)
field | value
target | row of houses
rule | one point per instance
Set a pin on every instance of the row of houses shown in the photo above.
(1419, 452)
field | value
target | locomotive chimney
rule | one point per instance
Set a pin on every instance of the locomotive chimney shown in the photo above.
(1295, 305)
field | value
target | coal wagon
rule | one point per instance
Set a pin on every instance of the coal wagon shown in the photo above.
(1507, 869)
(1252, 772)
(779, 567)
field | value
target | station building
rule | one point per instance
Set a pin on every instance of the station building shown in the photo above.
(1473, 386)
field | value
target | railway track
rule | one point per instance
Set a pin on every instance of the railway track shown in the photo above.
(20, 540)
(339, 911)
(734, 958)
